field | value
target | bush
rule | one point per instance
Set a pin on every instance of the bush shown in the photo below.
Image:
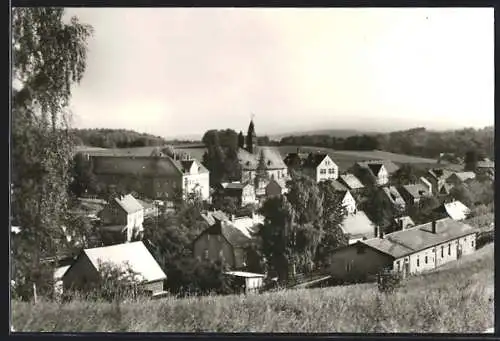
(484, 238)
(388, 281)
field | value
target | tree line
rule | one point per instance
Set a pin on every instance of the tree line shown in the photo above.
(115, 138)
(417, 142)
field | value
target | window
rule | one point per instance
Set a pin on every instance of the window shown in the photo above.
(442, 251)
(418, 262)
(472, 243)
(449, 249)
(205, 254)
(398, 265)
(322, 171)
(331, 171)
(426, 259)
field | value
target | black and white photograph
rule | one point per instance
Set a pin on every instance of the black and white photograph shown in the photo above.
(252, 170)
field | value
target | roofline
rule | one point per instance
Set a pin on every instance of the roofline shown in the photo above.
(427, 247)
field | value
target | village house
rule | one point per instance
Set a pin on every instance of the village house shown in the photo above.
(352, 183)
(454, 210)
(374, 172)
(320, 167)
(121, 220)
(358, 226)
(250, 156)
(458, 178)
(394, 197)
(414, 193)
(403, 223)
(154, 176)
(437, 177)
(135, 256)
(486, 167)
(244, 193)
(246, 282)
(227, 242)
(411, 251)
(275, 189)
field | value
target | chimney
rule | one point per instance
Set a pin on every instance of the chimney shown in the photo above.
(434, 226)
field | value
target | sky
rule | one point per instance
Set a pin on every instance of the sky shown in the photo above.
(178, 72)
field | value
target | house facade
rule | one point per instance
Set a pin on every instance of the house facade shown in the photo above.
(414, 193)
(374, 172)
(410, 251)
(155, 176)
(124, 217)
(227, 243)
(84, 272)
(244, 193)
(321, 167)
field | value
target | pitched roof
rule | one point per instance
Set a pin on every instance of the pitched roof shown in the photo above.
(464, 176)
(314, 159)
(60, 271)
(440, 173)
(416, 190)
(135, 254)
(243, 274)
(185, 166)
(272, 158)
(375, 167)
(351, 181)
(129, 204)
(455, 210)
(235, 185)
(358, 225)
(403, 243)
(405, 220)
(390, 166)
(393, 195)
(235, 236)
(139, 166)
(337, 186)
(211, 216)
(485, 164)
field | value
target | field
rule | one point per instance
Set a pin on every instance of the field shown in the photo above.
(457, 298)
(343, 158)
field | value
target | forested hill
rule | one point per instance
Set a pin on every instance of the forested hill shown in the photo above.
(118, 138)
(417, 141)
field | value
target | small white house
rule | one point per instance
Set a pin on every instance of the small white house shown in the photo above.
(247, 282)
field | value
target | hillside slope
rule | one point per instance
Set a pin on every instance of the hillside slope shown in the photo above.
(458, 298)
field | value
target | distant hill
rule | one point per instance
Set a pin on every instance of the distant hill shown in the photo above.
(339, 133)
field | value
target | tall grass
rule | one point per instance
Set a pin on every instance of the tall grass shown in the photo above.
(458, 298)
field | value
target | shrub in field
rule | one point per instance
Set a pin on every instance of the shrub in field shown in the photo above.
(388, 281)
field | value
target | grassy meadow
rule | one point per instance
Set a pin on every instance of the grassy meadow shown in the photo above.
(457, 298)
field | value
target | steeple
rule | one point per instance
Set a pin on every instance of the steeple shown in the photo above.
(251, 140)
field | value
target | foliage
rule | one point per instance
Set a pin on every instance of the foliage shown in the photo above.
(261, 175)
(417, 141)
(471, 159)
(115, 138)
(406, 174)
(49, 56)
(241, 140)
(462, 194)
(221, 157)
(378, 208)
(333, 215)
(188, 276)
(388, 281)
(83, 179)
(424, 211)
(226, 204)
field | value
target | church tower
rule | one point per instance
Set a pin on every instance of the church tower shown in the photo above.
(251, 139)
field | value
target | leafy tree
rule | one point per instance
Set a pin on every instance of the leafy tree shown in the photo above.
(406, 174)
(83, 179)
(226, 204)
(380, 210)
(278, 234)
(462, 194)
(241, 140)
(48, 57)
(333, 215)
(471, 159)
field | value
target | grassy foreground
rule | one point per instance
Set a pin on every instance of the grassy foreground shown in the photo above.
(458, 298)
